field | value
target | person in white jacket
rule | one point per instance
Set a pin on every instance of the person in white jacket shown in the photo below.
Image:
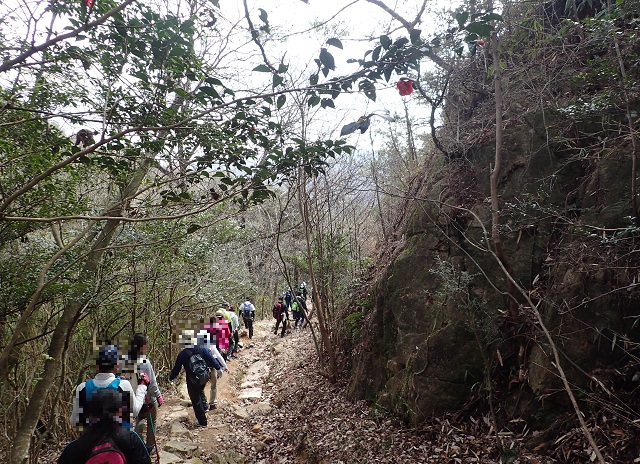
(204, 340)
(141, 364)
(107, 363)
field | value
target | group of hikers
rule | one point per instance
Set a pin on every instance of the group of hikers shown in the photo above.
(112, 409)
(289, 303)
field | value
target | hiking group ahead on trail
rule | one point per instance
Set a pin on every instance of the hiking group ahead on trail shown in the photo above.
(112, 409)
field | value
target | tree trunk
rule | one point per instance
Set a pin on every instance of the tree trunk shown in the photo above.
(22, 441)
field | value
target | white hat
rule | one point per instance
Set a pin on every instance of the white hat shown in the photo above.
(188, 338)
(203, 338)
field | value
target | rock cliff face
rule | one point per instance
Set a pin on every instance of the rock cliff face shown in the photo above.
(438, 327)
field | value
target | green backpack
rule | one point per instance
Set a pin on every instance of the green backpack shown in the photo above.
(294, 307)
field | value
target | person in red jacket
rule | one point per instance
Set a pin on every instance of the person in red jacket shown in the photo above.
(220, 332)
(280, 314)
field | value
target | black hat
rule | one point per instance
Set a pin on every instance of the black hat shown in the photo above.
(108, 356)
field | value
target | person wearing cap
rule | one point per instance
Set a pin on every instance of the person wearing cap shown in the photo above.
(188, 342)
(248, 312)
(204, 340)
(107, 363)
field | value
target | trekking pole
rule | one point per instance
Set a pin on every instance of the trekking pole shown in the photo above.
(153, 429)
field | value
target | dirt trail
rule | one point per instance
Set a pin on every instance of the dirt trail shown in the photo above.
(234, 434)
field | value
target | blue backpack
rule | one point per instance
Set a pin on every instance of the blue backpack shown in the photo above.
(90, 388)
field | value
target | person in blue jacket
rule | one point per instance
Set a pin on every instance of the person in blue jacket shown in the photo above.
(189, 342)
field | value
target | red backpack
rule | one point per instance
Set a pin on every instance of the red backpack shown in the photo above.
(278, 309)
(106, 453)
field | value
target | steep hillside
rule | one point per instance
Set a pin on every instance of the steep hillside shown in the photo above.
(438, 328)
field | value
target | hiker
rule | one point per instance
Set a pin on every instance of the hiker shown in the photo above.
(301, 308)
(280, 314)
(288, 298)
(107, 363)
(235, 325)
(220, 333)
(153, 399)
(204, 340)
(195, 362)
(248, 312)
(105, 439)
(303, 290)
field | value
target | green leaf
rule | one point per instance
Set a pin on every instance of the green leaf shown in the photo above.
(462, 18)
(480, 28)
(415, 36)
(281, 100)
(193, 227)
(277, 80)
(283, 68)
(335, 42)
(385, 41)
(313, 101)
(327, 103)
(210, 91)
(263, 15)
(376, 53)
(213, 81)
(401, 42)
(313, 80)
(262, 68)
(327, 59)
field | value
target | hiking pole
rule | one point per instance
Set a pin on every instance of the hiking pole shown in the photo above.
(153, 429)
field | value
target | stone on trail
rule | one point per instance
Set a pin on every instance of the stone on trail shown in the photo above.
(241, 413)
(169, 458)
(250, 393)
(178, 430)
(182, 448)
(249, 384)
(230, 457)
(179, 414)
(256, 428)
(259, 408)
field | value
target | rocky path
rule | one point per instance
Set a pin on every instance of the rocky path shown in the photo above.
(234, 434)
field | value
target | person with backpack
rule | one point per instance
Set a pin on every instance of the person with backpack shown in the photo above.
(107, 363)
(280, 314)
(301, 307)
(106, 440)
(288, 298)
(235, 325)
(196, 363)
(220, 332)
(248, 312)
(204, 340)
(153, 399)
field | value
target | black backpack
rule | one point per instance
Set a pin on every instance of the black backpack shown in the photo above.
(199, 370)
